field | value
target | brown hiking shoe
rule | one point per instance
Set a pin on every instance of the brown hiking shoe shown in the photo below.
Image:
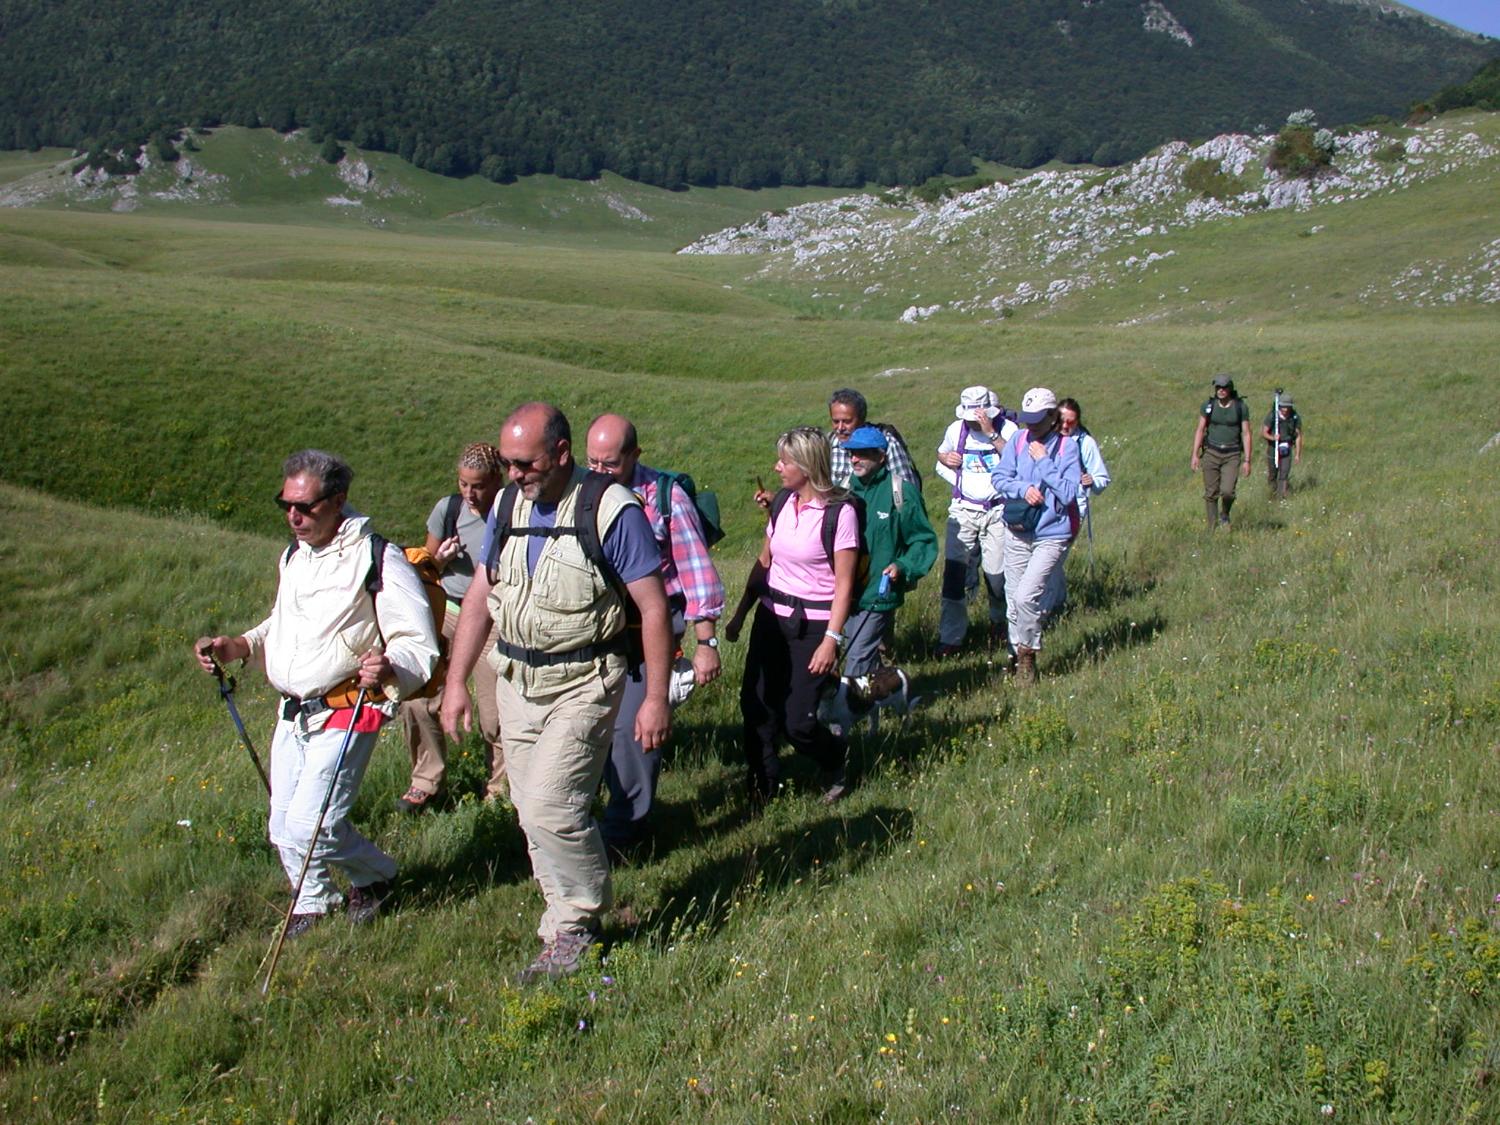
(1025, 666)
(364, 903)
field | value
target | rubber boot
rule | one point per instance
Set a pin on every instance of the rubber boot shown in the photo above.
(1211, 507)
(1225, 503)
(1025, 666)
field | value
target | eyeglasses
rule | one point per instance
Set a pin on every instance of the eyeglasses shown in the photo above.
(520, 466)
(301, 507)
(600, 466)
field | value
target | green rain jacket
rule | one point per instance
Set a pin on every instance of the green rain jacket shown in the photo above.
(903, 536)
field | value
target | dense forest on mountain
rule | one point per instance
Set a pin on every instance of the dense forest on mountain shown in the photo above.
(742, 92)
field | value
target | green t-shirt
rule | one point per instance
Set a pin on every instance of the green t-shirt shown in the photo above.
(1291, 426)
(1224, 422)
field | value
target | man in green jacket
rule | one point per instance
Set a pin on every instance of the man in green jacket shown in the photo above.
(900, 541)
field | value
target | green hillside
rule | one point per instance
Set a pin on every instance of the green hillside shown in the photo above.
(711, 93)
(1234, 860)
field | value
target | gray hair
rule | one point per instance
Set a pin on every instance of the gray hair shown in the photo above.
(332, 472)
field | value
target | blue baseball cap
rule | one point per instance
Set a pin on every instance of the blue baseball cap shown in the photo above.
(866, 437)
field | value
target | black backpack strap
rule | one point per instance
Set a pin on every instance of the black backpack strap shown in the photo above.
(831, 527)
(375, 579)
(505, 509)
(450, 515)
(590, 493)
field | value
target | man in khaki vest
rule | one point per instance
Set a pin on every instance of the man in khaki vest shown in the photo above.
(560, 662)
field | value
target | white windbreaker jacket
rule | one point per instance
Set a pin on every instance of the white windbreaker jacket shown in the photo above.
(324, 620)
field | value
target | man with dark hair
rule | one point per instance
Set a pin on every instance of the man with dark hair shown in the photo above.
(1220, 443)
(695, 597)
(847, 411)
(1282, 432)
(563, 556)
(332, 634)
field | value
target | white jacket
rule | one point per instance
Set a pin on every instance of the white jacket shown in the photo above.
(324, 619)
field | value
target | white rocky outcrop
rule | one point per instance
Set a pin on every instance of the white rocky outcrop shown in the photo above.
(1053, 234)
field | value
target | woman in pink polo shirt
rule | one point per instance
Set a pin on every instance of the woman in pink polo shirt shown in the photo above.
(803, 588)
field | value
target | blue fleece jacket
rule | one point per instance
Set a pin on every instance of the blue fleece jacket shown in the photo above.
(1056, 475)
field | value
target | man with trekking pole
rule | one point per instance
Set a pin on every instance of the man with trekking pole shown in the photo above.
(349, 636)
(1282, 432)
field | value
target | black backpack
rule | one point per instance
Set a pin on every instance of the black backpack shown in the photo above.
(831, 528)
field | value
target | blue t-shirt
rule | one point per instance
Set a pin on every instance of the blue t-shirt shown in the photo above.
(629, 544)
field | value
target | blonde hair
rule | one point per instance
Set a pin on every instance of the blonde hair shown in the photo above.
(482, 457)
(807, 448)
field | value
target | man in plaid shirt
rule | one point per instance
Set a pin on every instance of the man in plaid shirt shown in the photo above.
(847, 409)
(695, 595)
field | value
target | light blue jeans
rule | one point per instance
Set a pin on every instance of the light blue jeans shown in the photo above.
(1029, 564)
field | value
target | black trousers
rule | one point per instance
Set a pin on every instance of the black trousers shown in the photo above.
(778, 696)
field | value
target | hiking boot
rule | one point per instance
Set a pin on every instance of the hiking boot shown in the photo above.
(365, 902)
(415, 800)
(835, 792)
(299, 924)
(1025, 666)
(562, 955)
(944, 652)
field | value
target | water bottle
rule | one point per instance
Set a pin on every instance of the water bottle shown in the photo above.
(885, 585)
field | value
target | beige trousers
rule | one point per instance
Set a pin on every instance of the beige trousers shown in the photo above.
(424, 733)
(555, 751)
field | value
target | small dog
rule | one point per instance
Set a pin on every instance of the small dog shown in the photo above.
(852, 700)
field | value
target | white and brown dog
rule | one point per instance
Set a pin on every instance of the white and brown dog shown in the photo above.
(851, 700)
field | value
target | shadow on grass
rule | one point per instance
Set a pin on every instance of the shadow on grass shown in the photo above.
(493, 851)
(1097, 644)
(817, 850)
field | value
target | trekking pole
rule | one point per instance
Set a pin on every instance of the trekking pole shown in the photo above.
(338, 767)
(1088, 521)
(1276, 435)
(226, 690)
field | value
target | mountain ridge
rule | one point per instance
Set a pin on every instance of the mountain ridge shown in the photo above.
(753, 94)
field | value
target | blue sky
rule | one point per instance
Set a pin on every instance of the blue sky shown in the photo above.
(1471, 15)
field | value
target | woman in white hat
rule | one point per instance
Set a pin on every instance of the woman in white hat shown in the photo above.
(967, 458)
(1039, 477)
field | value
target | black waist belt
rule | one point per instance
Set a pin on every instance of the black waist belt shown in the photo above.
(1223, 448)
(795, 602)
(536, 658)
(291, 707)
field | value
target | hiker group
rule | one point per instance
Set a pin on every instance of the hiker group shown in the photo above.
(580, 595)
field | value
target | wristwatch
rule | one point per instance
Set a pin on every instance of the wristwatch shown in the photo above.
(711, 642)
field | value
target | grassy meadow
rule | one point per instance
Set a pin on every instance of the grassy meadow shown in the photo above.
(1234, 860)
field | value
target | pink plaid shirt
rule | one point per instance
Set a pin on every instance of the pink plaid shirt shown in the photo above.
(686, 569)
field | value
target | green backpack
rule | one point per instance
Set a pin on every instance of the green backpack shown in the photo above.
(705, 502)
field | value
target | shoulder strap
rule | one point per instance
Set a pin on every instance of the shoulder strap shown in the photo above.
(831, 523)
(586, 517)
(831, 526)
(291, 549)
(898, 496)
(375, 579)
(451, 514)
(505, 509)
(664, 482)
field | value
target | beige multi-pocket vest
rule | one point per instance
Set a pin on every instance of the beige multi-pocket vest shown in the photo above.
(567, 604)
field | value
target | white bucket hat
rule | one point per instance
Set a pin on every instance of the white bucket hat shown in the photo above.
(974, 399)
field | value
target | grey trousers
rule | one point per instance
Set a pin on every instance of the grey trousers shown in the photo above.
(1029, 564)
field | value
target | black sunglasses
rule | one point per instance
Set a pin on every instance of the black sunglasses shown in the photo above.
(302, 507)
